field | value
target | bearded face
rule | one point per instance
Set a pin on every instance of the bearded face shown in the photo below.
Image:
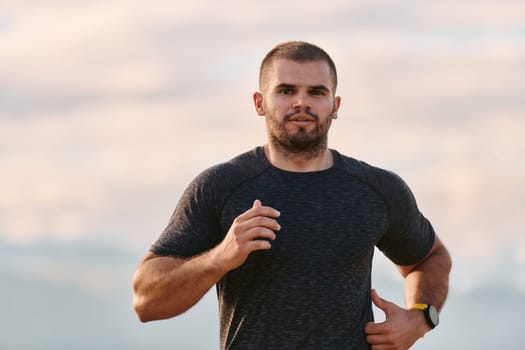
(299, 132)
(298, 102)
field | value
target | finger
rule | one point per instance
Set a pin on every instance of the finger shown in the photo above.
(374, 328)
(258, 245)
(379, 302)
(259, 210)
(376, 340)
(258, 204)
(262, 221)
(382, 347)
(260, 233)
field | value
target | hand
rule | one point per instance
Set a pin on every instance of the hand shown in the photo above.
(252, 230)
(400, 330)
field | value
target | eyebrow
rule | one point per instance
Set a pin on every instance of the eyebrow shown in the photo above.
(291, 86)
(284, 86)
(320, 87)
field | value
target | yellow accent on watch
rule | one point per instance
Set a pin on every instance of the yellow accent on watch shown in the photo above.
(421, 307)
(431, 313)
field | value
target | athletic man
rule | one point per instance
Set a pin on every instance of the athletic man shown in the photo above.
(287, 232)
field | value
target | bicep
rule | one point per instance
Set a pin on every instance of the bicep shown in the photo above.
(436, 248)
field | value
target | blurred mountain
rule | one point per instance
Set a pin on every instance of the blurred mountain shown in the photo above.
(77, 295)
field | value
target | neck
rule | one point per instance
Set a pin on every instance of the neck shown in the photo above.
(299, 162)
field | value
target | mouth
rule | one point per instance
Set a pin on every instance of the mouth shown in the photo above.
(301, 120)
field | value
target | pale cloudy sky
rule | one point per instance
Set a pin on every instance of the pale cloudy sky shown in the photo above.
(109, 108)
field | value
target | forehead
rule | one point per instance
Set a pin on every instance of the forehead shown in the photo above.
(309, 73)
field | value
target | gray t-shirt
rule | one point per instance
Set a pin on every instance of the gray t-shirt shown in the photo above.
(311, 290)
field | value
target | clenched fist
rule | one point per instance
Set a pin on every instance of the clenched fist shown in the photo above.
(252, 230)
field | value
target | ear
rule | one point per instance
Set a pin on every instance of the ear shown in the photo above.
(258, 102)
(337, 104)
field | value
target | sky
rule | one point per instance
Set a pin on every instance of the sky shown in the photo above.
(108, 109)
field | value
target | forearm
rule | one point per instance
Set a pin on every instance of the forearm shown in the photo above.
(165, 287)
(427, 282)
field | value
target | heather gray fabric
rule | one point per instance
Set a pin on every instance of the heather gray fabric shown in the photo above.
(312, 289)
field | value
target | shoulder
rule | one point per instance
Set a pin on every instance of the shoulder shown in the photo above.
(409, 235)
(243, 166)
(226, 176)
(383, 181)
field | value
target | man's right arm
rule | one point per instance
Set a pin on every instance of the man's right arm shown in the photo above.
(166, 286)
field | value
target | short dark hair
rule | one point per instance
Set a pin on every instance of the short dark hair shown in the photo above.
(298, 51)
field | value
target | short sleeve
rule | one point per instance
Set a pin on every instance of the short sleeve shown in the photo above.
(194, 226)
(410, 235)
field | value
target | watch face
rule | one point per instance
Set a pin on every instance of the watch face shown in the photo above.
(433, 315)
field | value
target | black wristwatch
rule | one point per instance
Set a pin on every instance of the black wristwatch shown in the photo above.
(431, 313)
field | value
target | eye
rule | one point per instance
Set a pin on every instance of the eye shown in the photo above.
(286, 91)
(317, 92)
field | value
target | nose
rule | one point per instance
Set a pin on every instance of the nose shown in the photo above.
(302, 101)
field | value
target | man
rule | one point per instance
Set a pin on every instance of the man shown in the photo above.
(287, 232)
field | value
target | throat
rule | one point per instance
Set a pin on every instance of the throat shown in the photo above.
(299, 161)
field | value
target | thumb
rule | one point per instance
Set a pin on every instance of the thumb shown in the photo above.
(257, 203)
(380, 302)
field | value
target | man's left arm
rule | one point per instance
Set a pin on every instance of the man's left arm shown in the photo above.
(425, 283)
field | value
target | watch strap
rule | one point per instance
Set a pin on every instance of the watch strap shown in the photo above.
(421, 307)
(431, 315)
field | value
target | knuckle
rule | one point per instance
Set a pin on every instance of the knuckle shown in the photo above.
(236, 221)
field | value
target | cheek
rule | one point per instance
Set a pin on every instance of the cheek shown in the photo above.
(279, 102)
(275, 110)
(329, 106)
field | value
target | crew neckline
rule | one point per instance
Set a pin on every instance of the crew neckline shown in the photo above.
(335, 155)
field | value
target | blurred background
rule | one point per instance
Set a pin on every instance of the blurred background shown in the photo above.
(108, 109)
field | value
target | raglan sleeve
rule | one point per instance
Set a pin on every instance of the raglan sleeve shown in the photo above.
(194, 226)
(410, 235)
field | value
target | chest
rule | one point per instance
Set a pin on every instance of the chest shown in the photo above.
(322, 217)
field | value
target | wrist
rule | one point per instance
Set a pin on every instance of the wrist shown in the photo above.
(217, 261)
(419, 323)
(430, 313)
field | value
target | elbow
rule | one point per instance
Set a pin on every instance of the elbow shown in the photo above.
(444, 259)
(146, 312)
(148, 309)
(440, 257)
(142, 310)
(141, 302)
(448, 262)
(151, 300)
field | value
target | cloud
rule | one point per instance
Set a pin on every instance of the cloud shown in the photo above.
(65, 170)
(108, 109)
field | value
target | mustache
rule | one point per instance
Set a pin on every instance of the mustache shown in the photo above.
(299, 112)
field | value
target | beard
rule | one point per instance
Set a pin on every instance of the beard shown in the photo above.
(301, 141)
